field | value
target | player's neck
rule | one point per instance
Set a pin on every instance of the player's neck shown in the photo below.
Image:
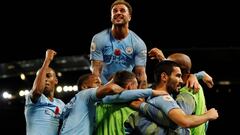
(50, 96)
(161, 88)
(119, 33)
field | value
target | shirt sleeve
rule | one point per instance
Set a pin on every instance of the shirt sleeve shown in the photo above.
(200, 75)
(93, 94)
(186, 102)
(88, 95)
(156, 115)
(96, 49)
(127, 95)
(164, 102)
(141, 54)
(28, 101)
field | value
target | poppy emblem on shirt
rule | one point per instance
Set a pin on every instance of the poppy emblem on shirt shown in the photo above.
(57, 111)
(117, 52)
(129, 50)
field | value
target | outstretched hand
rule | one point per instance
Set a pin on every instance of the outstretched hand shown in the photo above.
(192, 83)
(108, 89)
(112, 88)
(156, 53)
(207, 79)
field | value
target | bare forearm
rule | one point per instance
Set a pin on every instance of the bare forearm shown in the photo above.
(211, 114)
(195, 120)
(141, 77)
(39, 82)
(187, 121)
(96, 67)
(108, 89)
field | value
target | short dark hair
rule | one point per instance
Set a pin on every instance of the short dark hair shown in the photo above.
(82, 79)
(121, 78)
(164, 66)
(122, 2)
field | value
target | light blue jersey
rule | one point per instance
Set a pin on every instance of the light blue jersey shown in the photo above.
(127, 95)
(137, 123)
(79, 114)
(166, 103)
(118, 55)
(42, 118)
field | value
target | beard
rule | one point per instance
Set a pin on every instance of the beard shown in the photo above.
(172, 90)
(175, 93)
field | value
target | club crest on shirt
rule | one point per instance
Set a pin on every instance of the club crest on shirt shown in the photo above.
(93, 47)
(129, 50)
(167, 98)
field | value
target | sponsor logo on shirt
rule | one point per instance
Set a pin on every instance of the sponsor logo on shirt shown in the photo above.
(117, 59)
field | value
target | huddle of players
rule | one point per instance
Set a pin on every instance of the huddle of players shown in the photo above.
(118, 56)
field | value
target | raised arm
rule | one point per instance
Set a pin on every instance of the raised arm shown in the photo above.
(207, 79)
(192, 81)
(39, 82)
